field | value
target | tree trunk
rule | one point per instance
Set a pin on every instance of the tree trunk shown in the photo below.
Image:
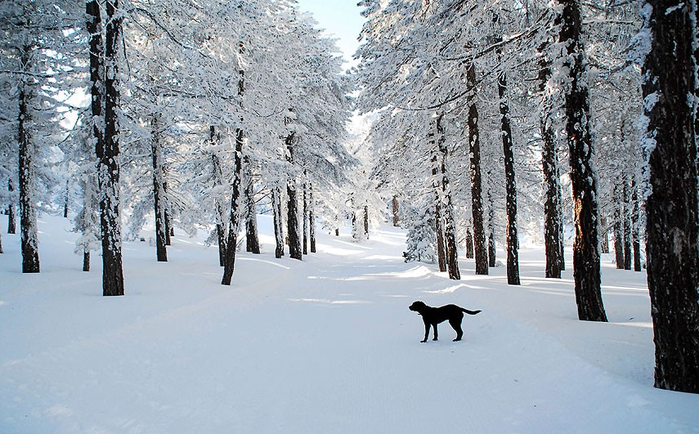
(292, 221)
(67, 199)
(469, 243)
(604, 242)
(553, 225)
(636, 227)
(252, 239)
(305, 214)
(158, 189)
(217, 175)
(510, 184)
(618, 229)
(104, 76)
(452, 255)
(586, 261)
(438, 219)
(1, 251)
(11, 216)
(627, 225)
(234, 219)
(295, 250)
(278, 222)
(86, 260)
(492, 248)
(671, 207)
(311, 218)
(395, 207)
(27, 210)
(480, 249)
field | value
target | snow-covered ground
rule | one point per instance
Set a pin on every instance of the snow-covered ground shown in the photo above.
(326, 345)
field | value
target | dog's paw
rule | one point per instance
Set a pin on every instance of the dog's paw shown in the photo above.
(423, 341)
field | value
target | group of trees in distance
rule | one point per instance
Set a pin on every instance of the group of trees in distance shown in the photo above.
(487, 120)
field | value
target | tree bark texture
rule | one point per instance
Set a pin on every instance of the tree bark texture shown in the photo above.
(450, 245)
(305, 215)
(252, 239)
(395, 207)
(636, 227)
(11, 216)
(469, 243)
(480, 249)
(105, 82)
(627, 225)
(27, 210)
(510, 184)
(235, 215)
(292, 221)
(158, 189)
(586, 260)
(671, 208)
(618, 229)
(278, 222)
(438, 213)
(492, 248)
(311, 218)
(553, 224)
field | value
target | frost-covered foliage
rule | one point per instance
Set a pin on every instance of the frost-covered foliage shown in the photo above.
(413, 62)
(422, 238)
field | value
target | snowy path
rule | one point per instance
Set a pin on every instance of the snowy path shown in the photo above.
(322, 346)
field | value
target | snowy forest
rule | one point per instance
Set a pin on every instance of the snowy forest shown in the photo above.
(475, 126)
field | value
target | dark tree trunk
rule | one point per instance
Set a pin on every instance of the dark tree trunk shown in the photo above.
(618, 229)
(450, 245)
(671, 208)
(311, 218)
(169, 228)
(67, 199)
(252, 239)
(636, 227)
(86, 260)
(1, 251)
(305, 215)
(234, 219)
(438, 219)
(158, 189)
(586, 261)
(627, 225)
(481, 251)
(278, 222)
(469, 243)
(27, 210)
(292, 221)
(553, 225)
(604, 241)
(492, 250)
(104, 77)
(11, 216)
(510, 185)
(395, 206)
(295, 250)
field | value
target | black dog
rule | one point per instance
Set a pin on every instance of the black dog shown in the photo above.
(435, 315)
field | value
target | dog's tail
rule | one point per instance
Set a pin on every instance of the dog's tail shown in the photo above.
(470, 312)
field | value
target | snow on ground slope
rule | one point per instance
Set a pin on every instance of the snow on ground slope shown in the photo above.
(326, 345)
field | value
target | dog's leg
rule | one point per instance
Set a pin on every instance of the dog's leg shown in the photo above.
(435, 331)
(456, 325)
(427, 331)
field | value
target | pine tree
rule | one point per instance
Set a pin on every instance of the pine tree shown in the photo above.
(586, 261)
(671, 207)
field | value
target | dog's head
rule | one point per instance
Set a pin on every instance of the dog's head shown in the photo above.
(417, 306)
